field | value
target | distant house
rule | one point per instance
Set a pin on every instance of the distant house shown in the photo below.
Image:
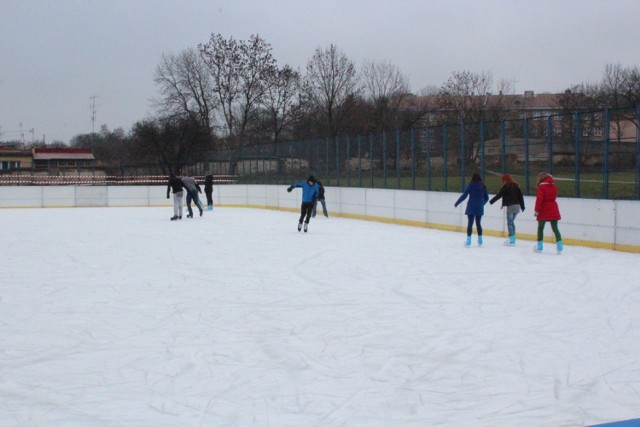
(14, 159)
(62, 160)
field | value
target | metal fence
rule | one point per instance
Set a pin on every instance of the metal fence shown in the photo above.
(592, 154)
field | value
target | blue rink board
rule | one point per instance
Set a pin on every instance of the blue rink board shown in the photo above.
(628, 423)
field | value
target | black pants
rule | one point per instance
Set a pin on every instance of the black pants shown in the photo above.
(209, 197)
(305, 210)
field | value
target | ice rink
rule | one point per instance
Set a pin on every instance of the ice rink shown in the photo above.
(120, 317)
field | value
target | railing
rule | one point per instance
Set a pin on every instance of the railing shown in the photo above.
(28, 179)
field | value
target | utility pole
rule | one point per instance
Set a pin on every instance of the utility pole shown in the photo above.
(93, 113)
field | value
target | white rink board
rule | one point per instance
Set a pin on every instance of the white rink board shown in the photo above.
(606, 222)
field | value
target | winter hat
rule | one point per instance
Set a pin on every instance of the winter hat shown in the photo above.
(542, 175)
(311, 178)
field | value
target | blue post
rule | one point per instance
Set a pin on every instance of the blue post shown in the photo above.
(326, 149)
(445, 156)
(638, 152)
(413, 161)
(482, 149)
(463, 156)
(427, 167)
(503, 140)
(348, 161)
(337, 145)
(359, 164)
(576, 149)
(384, 158)
(605, 166)
(527, 181)
(550, 143)
(397, 159)
(371, 157)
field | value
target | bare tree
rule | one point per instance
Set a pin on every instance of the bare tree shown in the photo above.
(185, 88)
(466, 98)
(387, 88)
(280, 101)
(170, 143)
(241, 72)
(330, 85)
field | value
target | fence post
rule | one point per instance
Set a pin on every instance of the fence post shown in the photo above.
(397, 159)
(503, 140)
(337, 154)
(348, 161)
(605, 171)
(550, 143)
(413, 161)
(427, 167)
(482, 149)
(371, 157)
(637, 152)
(526, 155)
(359, 162)
(384, 158)
(463, 157)
(576, 144)
(445, 157)
(326, 146)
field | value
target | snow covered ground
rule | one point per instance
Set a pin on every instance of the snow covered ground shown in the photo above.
(120, 317)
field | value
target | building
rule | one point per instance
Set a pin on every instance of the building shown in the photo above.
(62, 160)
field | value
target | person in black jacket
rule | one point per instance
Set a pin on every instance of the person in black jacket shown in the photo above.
(176, 185)
(208, 190)
(513, 200)
(321, 200)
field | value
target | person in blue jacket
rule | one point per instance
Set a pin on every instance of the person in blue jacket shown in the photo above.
(309, 196)
(478, 197)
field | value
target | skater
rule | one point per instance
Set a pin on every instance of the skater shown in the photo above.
(546, 209)
(192, 194)
(208, 190)
(176, 185)
(478, 197)
(309, 194)
(320, 199)
(513, 201)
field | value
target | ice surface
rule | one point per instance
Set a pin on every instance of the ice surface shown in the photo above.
(120, 317)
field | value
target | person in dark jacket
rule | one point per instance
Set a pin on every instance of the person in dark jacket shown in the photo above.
(513, 201)
(208, 190)
(193, 189)
(547, 209)
(309, 194)
(320, 199)
(478, 197)
(176, 185)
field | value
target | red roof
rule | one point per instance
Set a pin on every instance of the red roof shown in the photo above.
(62, 153)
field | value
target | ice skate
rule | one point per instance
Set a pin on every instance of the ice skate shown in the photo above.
(305, 227)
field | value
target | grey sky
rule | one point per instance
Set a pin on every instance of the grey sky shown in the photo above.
(56, 54)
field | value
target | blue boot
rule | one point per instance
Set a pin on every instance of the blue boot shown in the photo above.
(538, 246)
(467, 242)
(559, 246)
(479, 240)
(511, 241)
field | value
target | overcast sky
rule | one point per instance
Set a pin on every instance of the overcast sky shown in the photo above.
(55, 55)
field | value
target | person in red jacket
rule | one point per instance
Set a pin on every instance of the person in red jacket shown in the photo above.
(547, 209)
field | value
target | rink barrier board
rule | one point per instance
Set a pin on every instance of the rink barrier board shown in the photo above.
(607, 224)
